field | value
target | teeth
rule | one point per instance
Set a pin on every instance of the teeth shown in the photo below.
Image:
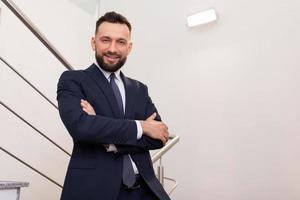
(112, 56)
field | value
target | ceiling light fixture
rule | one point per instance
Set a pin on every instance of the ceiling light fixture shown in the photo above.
(202, 17)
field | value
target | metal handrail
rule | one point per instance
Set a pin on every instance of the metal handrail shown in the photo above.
(174, 186)
(29, 24)
(174, 139)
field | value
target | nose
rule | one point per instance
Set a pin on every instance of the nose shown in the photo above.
(112, 47)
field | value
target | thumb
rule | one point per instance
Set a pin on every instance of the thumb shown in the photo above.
(152, 117)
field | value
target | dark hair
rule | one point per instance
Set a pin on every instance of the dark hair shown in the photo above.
(113, 17)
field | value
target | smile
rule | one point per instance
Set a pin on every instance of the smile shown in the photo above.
(111, 58)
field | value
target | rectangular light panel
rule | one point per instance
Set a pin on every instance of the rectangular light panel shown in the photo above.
(202, 17)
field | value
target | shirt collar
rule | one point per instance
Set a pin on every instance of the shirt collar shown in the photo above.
(107, 74)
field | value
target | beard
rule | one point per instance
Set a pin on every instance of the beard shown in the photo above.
(110, 67)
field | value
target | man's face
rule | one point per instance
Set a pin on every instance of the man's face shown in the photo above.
(111, 45)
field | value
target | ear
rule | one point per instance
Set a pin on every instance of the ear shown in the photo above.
(129, 48)
(93, 43)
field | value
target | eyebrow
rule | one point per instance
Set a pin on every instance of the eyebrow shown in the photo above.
(107, 37)
(104, 37)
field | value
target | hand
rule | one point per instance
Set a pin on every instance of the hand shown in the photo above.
(155, 129)
(86, 107)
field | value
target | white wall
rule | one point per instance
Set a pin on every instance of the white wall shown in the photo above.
(228, 89)
(37, 136)
(67, 24)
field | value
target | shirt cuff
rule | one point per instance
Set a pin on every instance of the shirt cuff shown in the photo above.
(111, 147)
(139, 129)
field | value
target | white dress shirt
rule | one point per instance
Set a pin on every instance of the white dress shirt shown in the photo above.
(121, 87)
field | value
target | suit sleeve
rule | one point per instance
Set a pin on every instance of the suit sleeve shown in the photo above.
(145, 143)
(86, 128)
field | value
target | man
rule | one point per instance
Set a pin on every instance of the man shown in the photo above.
(112, 121)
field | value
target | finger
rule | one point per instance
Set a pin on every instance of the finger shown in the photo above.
(166, 135)
(88, 112)
(87, 106)
(83, 105)
(90, 109)
(166, 127)
(82, 101)
(152, 117)
(163, 139)
(166, 140)
(85, 110)
(86, 103)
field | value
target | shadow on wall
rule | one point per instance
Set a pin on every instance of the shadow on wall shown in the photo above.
(91, 6)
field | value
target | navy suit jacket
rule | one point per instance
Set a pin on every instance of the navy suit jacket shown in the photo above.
(93, 173)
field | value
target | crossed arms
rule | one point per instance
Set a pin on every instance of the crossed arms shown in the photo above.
(86, 126)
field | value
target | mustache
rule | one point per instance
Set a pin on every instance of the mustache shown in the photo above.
(109, 53)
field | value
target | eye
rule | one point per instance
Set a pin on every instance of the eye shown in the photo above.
(122, 42)
(105, 40)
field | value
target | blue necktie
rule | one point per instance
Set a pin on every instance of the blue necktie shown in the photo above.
(128, 172)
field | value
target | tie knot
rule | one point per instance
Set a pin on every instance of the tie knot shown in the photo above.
(112, 77)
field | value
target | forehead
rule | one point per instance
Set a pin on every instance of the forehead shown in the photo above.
(113, 30)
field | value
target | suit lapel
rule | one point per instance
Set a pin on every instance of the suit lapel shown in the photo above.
(94, 73)
(129, 93)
